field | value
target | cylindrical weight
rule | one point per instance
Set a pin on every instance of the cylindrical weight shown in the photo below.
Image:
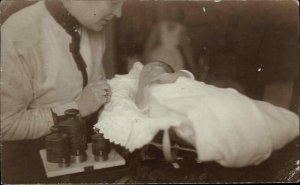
(100, 147)
(57, 148)
(75, 128)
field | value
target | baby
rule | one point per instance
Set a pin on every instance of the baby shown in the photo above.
(156, 72)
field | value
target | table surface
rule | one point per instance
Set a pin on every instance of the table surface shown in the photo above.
(282, 166)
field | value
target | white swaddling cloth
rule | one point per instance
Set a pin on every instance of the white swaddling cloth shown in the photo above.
(122, 122)
(223, 125)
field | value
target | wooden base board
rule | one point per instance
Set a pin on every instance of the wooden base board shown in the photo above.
(52, 169)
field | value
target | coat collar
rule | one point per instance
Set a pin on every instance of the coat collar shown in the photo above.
(62, 16)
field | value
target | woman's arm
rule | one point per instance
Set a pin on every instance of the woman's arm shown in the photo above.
(18, 120)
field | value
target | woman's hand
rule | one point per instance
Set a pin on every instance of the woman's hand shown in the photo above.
(94, 95)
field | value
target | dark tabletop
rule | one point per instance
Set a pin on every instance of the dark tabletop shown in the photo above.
(148, 166)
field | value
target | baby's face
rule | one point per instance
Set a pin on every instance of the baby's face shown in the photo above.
(150, 73)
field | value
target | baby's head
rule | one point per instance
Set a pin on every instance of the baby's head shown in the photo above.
(152, 70)
(148, 76)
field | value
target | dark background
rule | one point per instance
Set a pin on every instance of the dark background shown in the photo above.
(259, 34)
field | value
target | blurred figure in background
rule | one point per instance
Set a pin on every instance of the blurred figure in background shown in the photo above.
(169, 42)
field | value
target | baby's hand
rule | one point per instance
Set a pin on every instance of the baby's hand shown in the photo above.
(172, 77)
(167, 78)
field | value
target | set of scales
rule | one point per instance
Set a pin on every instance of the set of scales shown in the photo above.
(67, 151)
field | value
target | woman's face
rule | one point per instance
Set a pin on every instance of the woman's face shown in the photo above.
(94, 14)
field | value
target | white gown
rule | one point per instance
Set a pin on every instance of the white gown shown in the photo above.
(223, 125)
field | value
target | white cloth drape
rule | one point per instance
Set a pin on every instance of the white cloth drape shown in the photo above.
(223, 125)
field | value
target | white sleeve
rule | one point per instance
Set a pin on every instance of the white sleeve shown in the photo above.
(18, 120)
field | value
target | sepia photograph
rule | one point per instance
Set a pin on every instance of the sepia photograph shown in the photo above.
(149, 91)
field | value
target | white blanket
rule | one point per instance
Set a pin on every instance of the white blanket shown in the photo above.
(223, 125)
